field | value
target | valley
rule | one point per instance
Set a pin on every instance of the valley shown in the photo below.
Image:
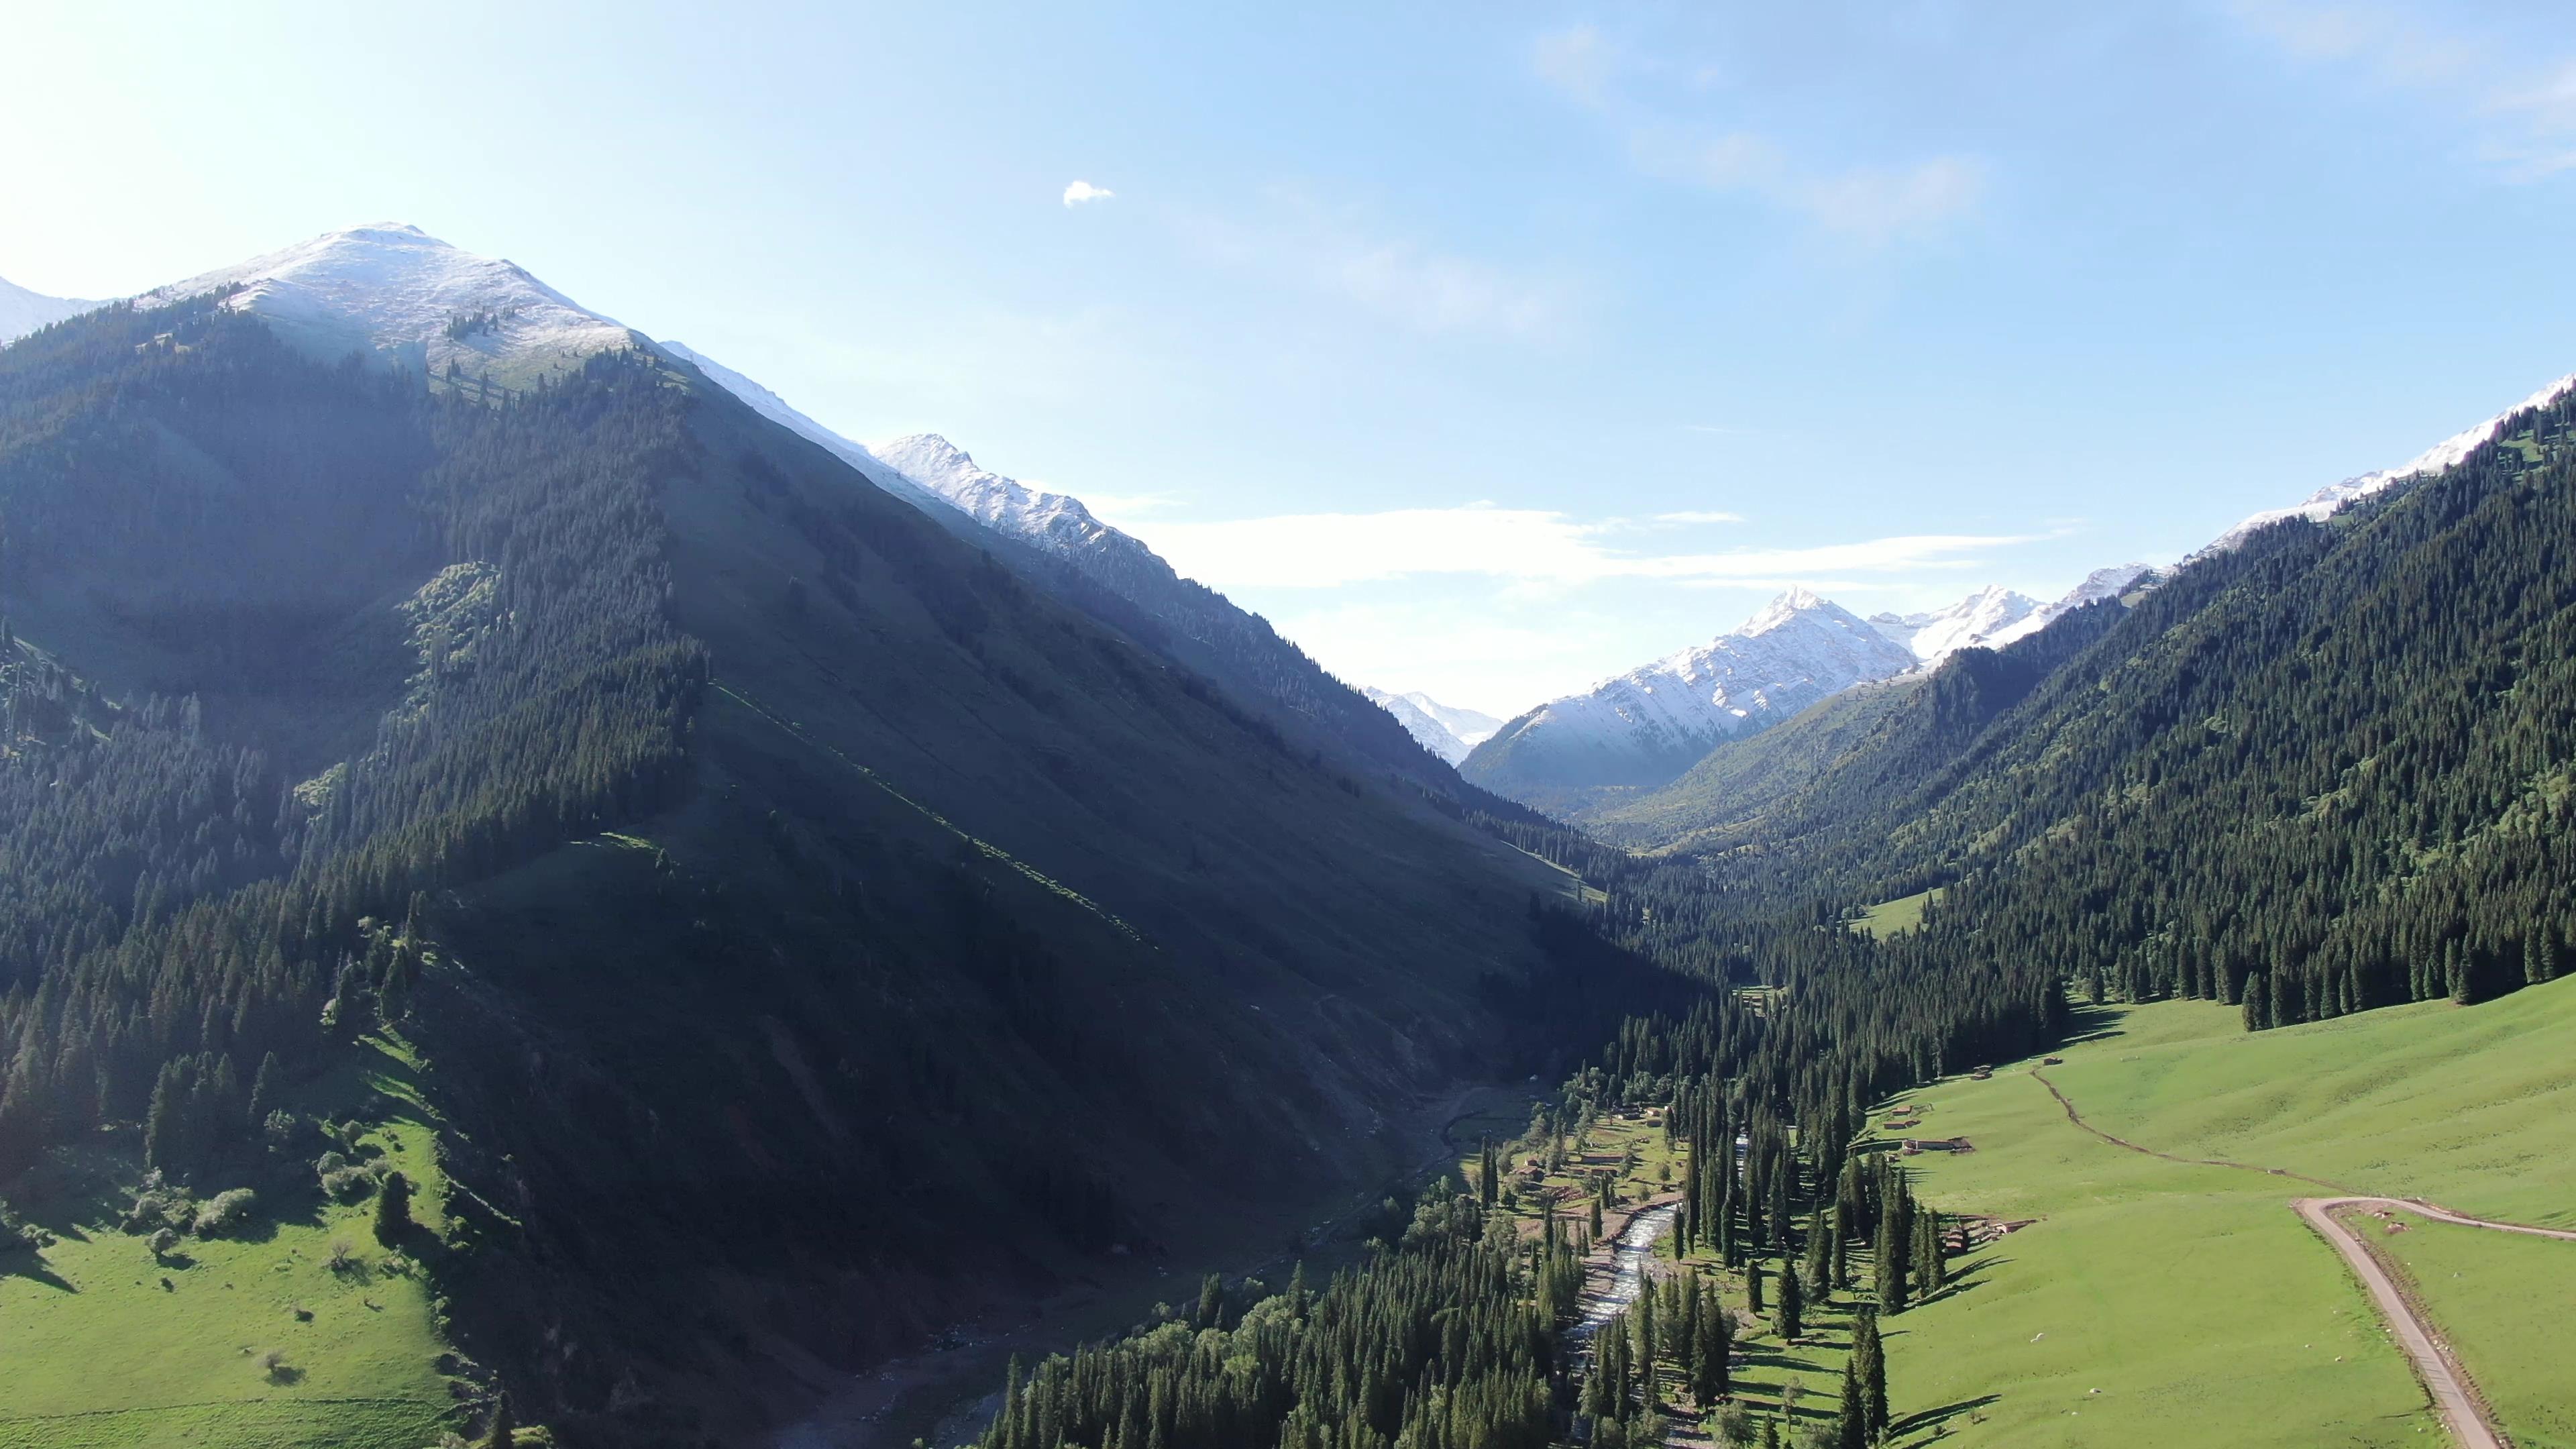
(554, 898)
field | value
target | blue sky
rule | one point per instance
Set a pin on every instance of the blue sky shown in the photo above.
(1488, 349)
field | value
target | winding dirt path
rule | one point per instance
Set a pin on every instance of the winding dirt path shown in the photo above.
(2455, 1395)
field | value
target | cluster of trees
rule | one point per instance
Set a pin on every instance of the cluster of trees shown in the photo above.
(178, 923)
(1440, 1344)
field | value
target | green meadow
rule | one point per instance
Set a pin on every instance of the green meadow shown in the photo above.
(2496, 1297)
(2155, 1302)
(253, 1340)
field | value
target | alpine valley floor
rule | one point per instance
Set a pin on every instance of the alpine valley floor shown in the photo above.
(2155, 1301)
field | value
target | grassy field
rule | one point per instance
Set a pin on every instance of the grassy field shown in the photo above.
(2495, 1296)
(1889, 918)
(2156, 1302)
(107, 1347)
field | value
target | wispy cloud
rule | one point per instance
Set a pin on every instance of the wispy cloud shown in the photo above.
(1875, 204)
(1079, 192)
(1694, 515)
(2519, 91)
(1576, 60)
(1338, 251)
(1516, 546)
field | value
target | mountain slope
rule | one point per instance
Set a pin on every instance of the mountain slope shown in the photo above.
(758, 844)
(22, 311)
(1649, 725)
(2324, 771)
(1052, 539)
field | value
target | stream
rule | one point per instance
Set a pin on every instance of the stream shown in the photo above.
(1628, 1255)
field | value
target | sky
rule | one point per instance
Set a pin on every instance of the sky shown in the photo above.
(1487, 349)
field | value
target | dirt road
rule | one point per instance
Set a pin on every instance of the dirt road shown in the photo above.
(2460, 1408)
(2454, 1395)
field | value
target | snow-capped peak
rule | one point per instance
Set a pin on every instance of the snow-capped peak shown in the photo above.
(1991, 617)
(2445, 454)
(392, 291)
(1445, 730)
(22, 311)
(1791, 603)
(1995, 616)
(1001, 503)
(1650, 724)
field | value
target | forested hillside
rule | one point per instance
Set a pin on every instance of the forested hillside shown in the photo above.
(791, 902)
(2325, 771)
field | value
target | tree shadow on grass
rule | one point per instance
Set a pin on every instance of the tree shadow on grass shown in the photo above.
(2094, 1023)
(33, 1268)
(1935, 1419)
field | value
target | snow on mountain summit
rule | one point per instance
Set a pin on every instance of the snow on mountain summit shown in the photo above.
(2323, 503)
(1992, 617)
(394, 292)
(1648, 725)
(1055, 520)
(1448, 731)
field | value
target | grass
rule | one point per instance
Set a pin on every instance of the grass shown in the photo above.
(1889, 918)
(2191, 1297)
(2494, 1294)
(108, 1348)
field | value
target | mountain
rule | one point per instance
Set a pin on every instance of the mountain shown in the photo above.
(394, 293)
(705, 838)
(1444, 730)
(2319, 772)
(1114, 577)
(1649, 725)
(22, 311)
(2446, 454)
(775, 408)
(1989, 616)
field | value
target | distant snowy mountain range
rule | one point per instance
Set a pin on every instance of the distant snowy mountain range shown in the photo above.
(22, 311)
(1650, 724)
(392, 292)
(1445, 730)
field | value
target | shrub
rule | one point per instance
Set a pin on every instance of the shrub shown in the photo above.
(150, 1211)
(342, 1257)
(227, 1211)
(348, 1184)
(162, 1242)
(279, 1130)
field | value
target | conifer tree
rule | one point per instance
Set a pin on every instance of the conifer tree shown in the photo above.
(1753, 1285)
(1792, 1317)
(1870, 1361)
(393, 1210)
(503, 1430)
(1851, 1419)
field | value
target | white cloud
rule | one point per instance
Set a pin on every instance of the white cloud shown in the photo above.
(2518, 91)
(1873, 204)
(1079, 192)
(1696, 515)
(1516, 545)
(1335, 251)
(1576, 61)
(1869, 203)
